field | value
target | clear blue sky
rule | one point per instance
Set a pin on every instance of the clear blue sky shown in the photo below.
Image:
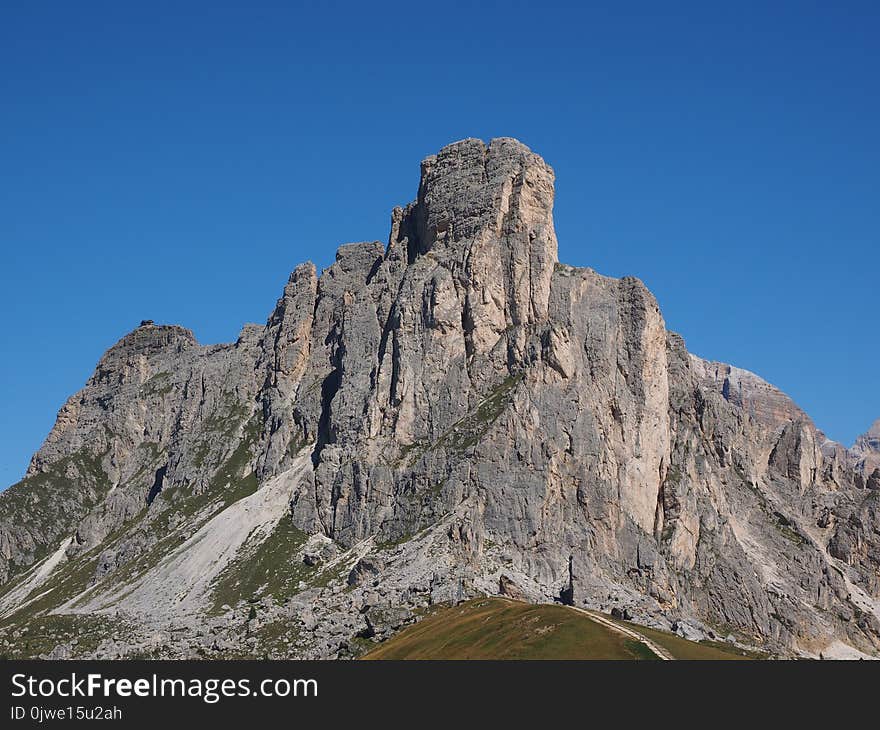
(174, 161)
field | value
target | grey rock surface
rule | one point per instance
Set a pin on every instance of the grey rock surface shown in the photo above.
(867, 449)
(450, 414)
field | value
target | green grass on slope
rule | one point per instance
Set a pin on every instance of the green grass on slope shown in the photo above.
(268, 569)
(45, 501)
(495, 628)
(684, 649)
(39, 635)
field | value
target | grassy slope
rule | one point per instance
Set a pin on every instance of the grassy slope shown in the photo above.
(495, 628)
(683, 649)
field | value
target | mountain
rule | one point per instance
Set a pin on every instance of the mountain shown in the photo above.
(867, 451)
(450, 415)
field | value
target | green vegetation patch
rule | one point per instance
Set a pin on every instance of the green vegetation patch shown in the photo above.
(685, 649)
(69, 580)
(223, 422)
(158, 385)
(268, 567)
(327, 575)
(227, 416)
(468, 431)
(53, 499)
(40, 635)
(639, 650)
(231, 482)
(275, 640)
(786, 528)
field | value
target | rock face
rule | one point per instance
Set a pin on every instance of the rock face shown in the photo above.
(867, 449)
(453, 413)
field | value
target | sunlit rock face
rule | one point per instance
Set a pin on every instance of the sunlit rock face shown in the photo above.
(867, 449)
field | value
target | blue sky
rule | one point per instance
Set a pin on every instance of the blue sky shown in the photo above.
(174, 161)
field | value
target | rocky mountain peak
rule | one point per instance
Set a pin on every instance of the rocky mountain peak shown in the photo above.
(869, 442)
(755, 396)
(867, 449)
(472, 191)
(873, 435)
(484, 215)
(146, 340)
(422, 419)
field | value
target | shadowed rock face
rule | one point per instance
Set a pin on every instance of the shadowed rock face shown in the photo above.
(458, 411)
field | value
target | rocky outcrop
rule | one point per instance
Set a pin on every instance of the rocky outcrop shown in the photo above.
(867, 449)
(452, 413)
(755, 397)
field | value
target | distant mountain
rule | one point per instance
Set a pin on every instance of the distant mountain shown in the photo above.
(867, 450)
(452, 414)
